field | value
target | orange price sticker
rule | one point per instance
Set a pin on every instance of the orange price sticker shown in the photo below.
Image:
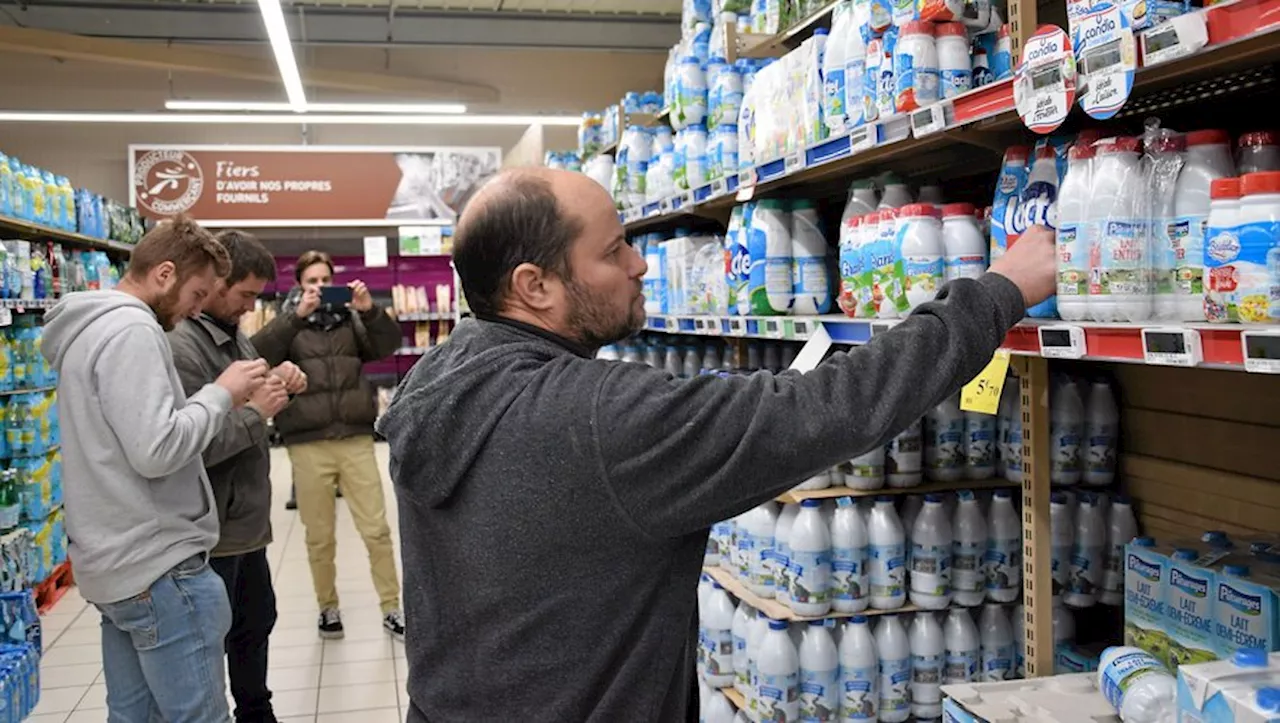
(982, 394)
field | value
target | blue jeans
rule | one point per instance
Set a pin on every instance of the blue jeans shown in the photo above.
(162, 651)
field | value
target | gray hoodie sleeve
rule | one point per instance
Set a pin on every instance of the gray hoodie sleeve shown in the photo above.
(159, 434)
(681, 455)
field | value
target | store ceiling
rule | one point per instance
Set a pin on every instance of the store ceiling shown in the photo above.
(616, 25)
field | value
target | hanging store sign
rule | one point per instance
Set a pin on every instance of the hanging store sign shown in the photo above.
(1106, 58)
(282, 186)
(1044, 87)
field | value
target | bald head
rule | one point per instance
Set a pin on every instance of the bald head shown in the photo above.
(526, 215)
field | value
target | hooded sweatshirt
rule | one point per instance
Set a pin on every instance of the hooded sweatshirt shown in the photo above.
(554, 508)
(137, 499)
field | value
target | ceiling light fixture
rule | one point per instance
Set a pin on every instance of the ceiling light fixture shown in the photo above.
(251, 106)
(17, 116)
(278, 33)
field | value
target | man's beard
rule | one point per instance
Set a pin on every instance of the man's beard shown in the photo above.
(592, 321)
(166, 308)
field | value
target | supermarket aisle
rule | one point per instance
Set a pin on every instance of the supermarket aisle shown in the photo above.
(360, 678)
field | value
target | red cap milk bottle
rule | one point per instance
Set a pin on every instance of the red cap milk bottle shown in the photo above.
(1258, 268)
(1221, 247)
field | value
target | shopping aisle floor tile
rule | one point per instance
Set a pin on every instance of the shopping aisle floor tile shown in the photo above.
(359, 679)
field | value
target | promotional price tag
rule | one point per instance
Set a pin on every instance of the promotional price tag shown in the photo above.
(1174, 38)
(982, 395)
(1062, 342)
(1172, 347)
(737, 326)
(773, 328)
(746, 185)
(793, 162)
(930, 120)
(1044, 86)
(1106, 57)
(1261, 351)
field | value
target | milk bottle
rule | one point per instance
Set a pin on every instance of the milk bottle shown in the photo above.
(1087, 554)
(758, 525)
(979, 445)
(1137, 685)
(1121, 527)
(903, 458)
(944, 450)
(1101, 434)
(930, 559)
(888, 556)
(849, 551)
(1009, 459)
(1066, 427)
(859, 672)
(810, 568)
(1004, 209)
(894, 650)
(743, 617)
(1222, 243)
(778, 692)
(855, 75)
(963, 648)
(755, 637)
(886, 267)
(867, 471)
(1256, 271)
(1073, 234)
(770, 286)
(966, 247)
(1003, 558)
(1062, 525)
(968, 578)
(717, 638)
(1120, 261)
(1257, 151)
(835, 112)
(997, 643)
(810, 280)
(919, 241)
(850, 264)
(691, 94)
(719, 709)
(911, 506)
(819, 674)
(782, 552)
(1208, 158)
(928, 655)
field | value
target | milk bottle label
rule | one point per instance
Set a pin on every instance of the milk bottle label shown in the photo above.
(849, 573)
(923, 276)
(1064, 449)
(997, 662)
(1123, 672)
(980, 449)
(926, 677)
(1245, 615)
(1186, 248)
(945, 447)
(717, 652)
(895, 681)
(1189, 609)
(859, 700)
(779, 698)
(903, 454)
(888, 570)
(819, 696)
(1085, 577)
(760, 554)
(1144, 609)
(955, 82)
(1119, 266)
(886, 274)
(869, 466)
(850, 270)
(904, 11)
(1243, 269)
(931, 569)
(810, 577)
(1073, 263)
(834, 97)
(742, 674)
(1003, 562)
(811, 278)
(886, 89)
(855, 85)
(966, 562)
(1101, 455)
(962, 667)
(780, 559)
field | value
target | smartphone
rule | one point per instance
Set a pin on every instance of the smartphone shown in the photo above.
(335, 295)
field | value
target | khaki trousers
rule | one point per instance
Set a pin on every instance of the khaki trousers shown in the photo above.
(320, 469)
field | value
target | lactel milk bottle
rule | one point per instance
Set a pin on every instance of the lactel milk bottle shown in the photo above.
(1004, 550)
(849, 550)
(944, 442)
(964, 648)
(810, 580)
(969, 529)
(1121, 528)
(811, 280)
(888, 556)
(759, 525)
(819, 674)
(1087, 554)
(997, 643)
(1073, 235)
(894, 650)
(928, 655)
(781, 558)
(717, 638)
(930, 558)
(859, 672)
(778, 693)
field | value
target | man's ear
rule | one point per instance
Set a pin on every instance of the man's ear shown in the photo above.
(533, 287)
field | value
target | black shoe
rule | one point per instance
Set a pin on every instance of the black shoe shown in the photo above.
(331, 625)
(292, 504)
(393, 623)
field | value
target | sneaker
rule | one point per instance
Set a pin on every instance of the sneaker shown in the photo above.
(393, 623)
(331, 625)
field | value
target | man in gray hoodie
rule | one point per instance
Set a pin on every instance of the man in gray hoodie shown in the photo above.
(141, 518)
(554, 508)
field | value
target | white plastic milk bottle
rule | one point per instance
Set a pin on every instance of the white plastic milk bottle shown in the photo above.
(1066, 428)
(819, 675)
(1073, 234)
(963, 646)
(859, 672)
(781, 558)
(928, 656)
(778, 692)
(979, 445)
(930, 558)
(1063, 531)
(868, 471)
(894, 650)
(1208, 157)
(888, 556)
(904, 458)
(743, 616)
(1121, 529)
(811, 278)
(1003, 558)
(849, 551)
(969, 529)
(717, 623)
(997, 643)
(944, 442)
(1101, 435)
(1120, 259)
(759, 524)
(1087, 554)
(810, 589)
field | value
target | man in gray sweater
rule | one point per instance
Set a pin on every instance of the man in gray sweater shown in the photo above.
(555, 508)
(141, 519)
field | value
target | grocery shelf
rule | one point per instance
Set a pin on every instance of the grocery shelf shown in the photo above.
(1220, 345)
(798, 496)
(431, 316)
(35, 231)
(37, 390)
(754, 45)
(737, 699)
(21, 305)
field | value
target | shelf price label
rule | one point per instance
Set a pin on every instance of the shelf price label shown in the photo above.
(1044, 86)
(1174, 347)
(801, 329)
(671, 323)
(1106, 57)
(1062, 342)
(1261, 351)
(774, 329)
(793, 162)
(718, 188)
(930, 120)
(664, 206)
(737, 326)
(686, 199)
(747, 184)
(1174, 38)
(982, 394)
(862, 139)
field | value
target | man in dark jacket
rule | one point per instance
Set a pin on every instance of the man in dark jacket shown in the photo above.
(238, 462)
(329, 429)
(555, 508)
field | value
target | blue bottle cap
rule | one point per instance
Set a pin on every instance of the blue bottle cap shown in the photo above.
(716, 586)
(777, 624)
(1144, 542)
(1269, 699)
(934, 498)
(817, 623)
(858, 619)
(1058, 498)
(1250, 658)
(1237, 570)
(885, 499)
(964, 495)
(1183, 553)
(811, 503)
(1003, 494)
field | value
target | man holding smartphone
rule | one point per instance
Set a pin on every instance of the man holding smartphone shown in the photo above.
(238, 462)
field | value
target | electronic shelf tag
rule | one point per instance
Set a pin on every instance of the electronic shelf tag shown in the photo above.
(1062, 342)
(930, 120)
(672, 324)
(686, 199)
(1044, 85)
(747, 184)
(1174, 38)
(773, 328)
(982, 393)
(1261, 351)
(718, 188)
(1173, 346)
(802, 329)
(664, 206)
(1106, 58)
(880, 327)
(793, 162)
(737, 326)
(862, 138)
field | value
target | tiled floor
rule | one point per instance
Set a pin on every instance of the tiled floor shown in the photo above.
(358, 679)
